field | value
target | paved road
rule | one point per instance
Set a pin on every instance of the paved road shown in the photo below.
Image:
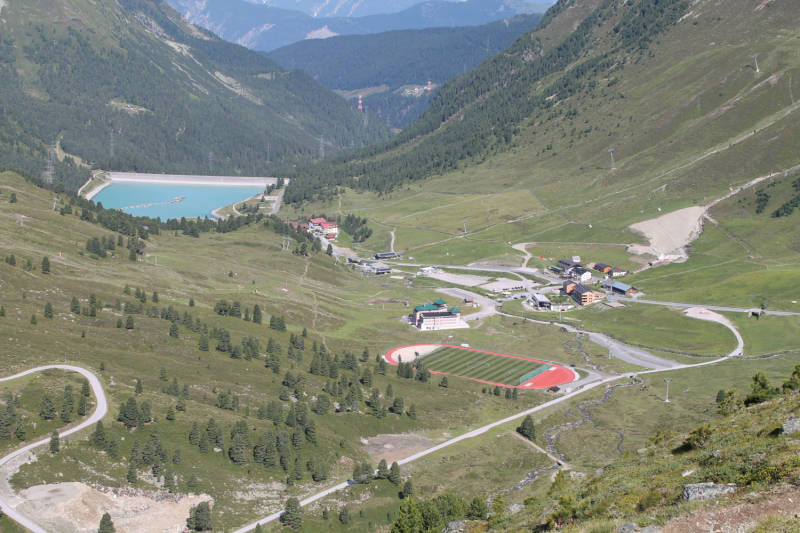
(711, 307)
(277, 205)
(99, 413)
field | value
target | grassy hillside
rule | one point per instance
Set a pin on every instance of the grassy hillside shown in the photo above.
(172, 96)
(337, 307)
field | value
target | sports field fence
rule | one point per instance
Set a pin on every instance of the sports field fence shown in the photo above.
(533, 373)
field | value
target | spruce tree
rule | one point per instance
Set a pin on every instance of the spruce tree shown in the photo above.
(55, 444)
(311, 432)
(131, 477)
(19, 430)
(119, 323)
(203, 343)
(170, 413)
(112, 447)
(383, 470)
(515, 394)
(83, 406)
(155, 297)
(258, 529)
(176, 457)
(48, 310)
(236, 451)
(45, 265)
(129, 322)
(136, 455)
(194, 435)
(408, 489)
(47, 409)
(257, 316)
(191, 302)
(477, 509)
(394, 474)
(85, 389)
(496, 390)
(203, 442)
(412, 412)
(527, 429)
(5, 426)
(344, 516)
(192, 481)
(292, 514)
(409, 519)
(173, 330)
(200, 517)
(33, 319)
(99, 434)
(106, 525)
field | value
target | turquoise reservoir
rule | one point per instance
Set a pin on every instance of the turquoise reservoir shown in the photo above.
(200, 199)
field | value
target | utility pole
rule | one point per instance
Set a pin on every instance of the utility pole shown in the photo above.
(55, 200)
(613, 165)
(666, 399)
(465, 226)
(755, 58)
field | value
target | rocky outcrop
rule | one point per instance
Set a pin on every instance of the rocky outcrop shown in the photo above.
(706, 491)
(461, 526)
(791, 426)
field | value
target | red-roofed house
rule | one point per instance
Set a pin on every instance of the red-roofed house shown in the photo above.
(330, 229)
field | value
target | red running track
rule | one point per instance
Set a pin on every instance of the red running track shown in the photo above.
(557, 375)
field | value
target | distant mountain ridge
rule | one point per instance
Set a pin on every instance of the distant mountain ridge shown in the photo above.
(359, 8)
(265, 28)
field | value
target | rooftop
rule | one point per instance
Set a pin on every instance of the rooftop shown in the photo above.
(440, 302)
(622, 286)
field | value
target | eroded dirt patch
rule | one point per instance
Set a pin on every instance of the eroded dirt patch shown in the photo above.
(395, 447)
(740, 518)
(77, 507)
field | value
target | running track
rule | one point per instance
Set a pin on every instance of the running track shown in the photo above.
(557, 375)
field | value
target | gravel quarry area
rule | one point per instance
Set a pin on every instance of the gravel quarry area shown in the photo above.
(77, 507)
(668, 233)
(395, 447)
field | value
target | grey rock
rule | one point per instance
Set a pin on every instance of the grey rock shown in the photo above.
(706, 491)
(628, 527)
(716, 453)
(514, 508)
(651, 529)
(791, 426)
(455, 527)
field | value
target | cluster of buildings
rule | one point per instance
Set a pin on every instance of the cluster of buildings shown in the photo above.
(435, 316)
(577, 278)
(317, 227)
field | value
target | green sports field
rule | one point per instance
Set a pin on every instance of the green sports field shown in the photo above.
(482, 366)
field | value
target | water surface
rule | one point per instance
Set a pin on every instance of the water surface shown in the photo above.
(200, 199)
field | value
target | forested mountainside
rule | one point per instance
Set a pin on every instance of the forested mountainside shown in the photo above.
(265, 28)
(172, 96)
(584, 81)
(383, 63)
(403, 57)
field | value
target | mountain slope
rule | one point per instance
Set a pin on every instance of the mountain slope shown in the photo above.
(265, 28)
(403, 57)
(358, 8)
(170, 94)
(384, 62)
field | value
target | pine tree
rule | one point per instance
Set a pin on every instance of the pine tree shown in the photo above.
(292, 514)
(311, 432)
(409, 519)
(45, 265)
(173, 330)
(83, 406)
(236, 451)
(176, 457)
(131, 477)
(194, 435)
(397, 405)
(19, 430)
(444, 384)
(33, 319)
(408, 489)
(129, 322)
(5, 426)
(155, 297)
(498, 505)
(527, 429)
(200, 517)
(496, 391)
(112, 447)
(47, 409)
(720, 396)
(383, 470)
(136, 455)
(192, 481)
(48, 310)
(477, 509)
(203, 442)
(394, 474)
(106, 525)
(344, 516)
(170, 413)
(412, 412)
(99, 434)
(55, 444)
(85, 390)
(515, 394)
(119, 323)
(162, 375)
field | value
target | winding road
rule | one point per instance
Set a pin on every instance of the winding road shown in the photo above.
(99, 413)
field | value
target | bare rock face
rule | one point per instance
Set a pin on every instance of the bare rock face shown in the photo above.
(791, 426)
(706, 491)
(461, 526)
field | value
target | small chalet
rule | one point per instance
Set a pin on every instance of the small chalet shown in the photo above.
(617, 272)
(621, 288)
(602, 267)
(568, 264)
(581, 274)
